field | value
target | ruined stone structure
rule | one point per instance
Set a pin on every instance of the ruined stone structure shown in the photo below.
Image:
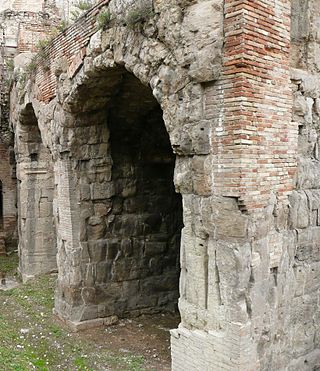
(177, 141)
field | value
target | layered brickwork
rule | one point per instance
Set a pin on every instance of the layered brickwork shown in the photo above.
(255, 139)
(17, 5)
(67, 47)
(22, 28)
(32, 29)
(255, 146)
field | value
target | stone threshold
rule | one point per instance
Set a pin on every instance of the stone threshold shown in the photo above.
(76, 326)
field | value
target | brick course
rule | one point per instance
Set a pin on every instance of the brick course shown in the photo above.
(69, 45)
(256, 141)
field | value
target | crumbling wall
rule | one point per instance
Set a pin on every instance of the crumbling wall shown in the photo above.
(220, 72)
(23, 25)
(304, 211)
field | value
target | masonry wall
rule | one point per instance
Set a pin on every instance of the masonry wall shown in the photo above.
(304, 200)
(220, 71)
(62, 8)
(23, 24)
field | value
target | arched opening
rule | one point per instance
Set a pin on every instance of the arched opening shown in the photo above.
(146, 212)
(121, 164)
(37, 241)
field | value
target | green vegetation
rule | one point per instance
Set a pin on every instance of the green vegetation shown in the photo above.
(10, 65)
(42, 44)
(80, 7)
(139, 15)
(32, 339)
(9, 264)
(32, 66)
(103, 20)
(62, 26)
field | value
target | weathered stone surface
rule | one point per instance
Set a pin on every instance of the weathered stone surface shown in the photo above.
(102, 134)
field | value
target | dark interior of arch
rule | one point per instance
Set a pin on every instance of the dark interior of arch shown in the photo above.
(30, 134)
(143, 228)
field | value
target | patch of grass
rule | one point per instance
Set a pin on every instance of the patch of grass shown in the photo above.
(139, 15)
(42, 44)
(62, 26)
(135, 363)
(9, 64)
(103, 20)
(55, 330)
(9, 264)
(32, 66)
(81, 363)
(32, 339)
(80, 7)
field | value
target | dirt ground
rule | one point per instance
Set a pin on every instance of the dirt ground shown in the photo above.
(32, 338)
(146, 335)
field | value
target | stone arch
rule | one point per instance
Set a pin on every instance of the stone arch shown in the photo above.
(75, 120)
(37, 237)
(122, 208)
(81, 100)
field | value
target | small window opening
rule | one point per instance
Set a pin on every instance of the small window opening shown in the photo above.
(34, 157)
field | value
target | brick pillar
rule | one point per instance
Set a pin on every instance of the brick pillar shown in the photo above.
(256, 139)
(254, 144)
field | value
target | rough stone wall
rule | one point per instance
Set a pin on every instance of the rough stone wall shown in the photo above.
(23, 24)
(246, 255)
(304, 211)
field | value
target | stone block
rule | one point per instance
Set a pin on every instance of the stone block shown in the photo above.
(102, 191)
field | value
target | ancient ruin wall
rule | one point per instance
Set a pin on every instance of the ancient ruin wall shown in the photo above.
(304, 212)
(23, 24)
(242, 262)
